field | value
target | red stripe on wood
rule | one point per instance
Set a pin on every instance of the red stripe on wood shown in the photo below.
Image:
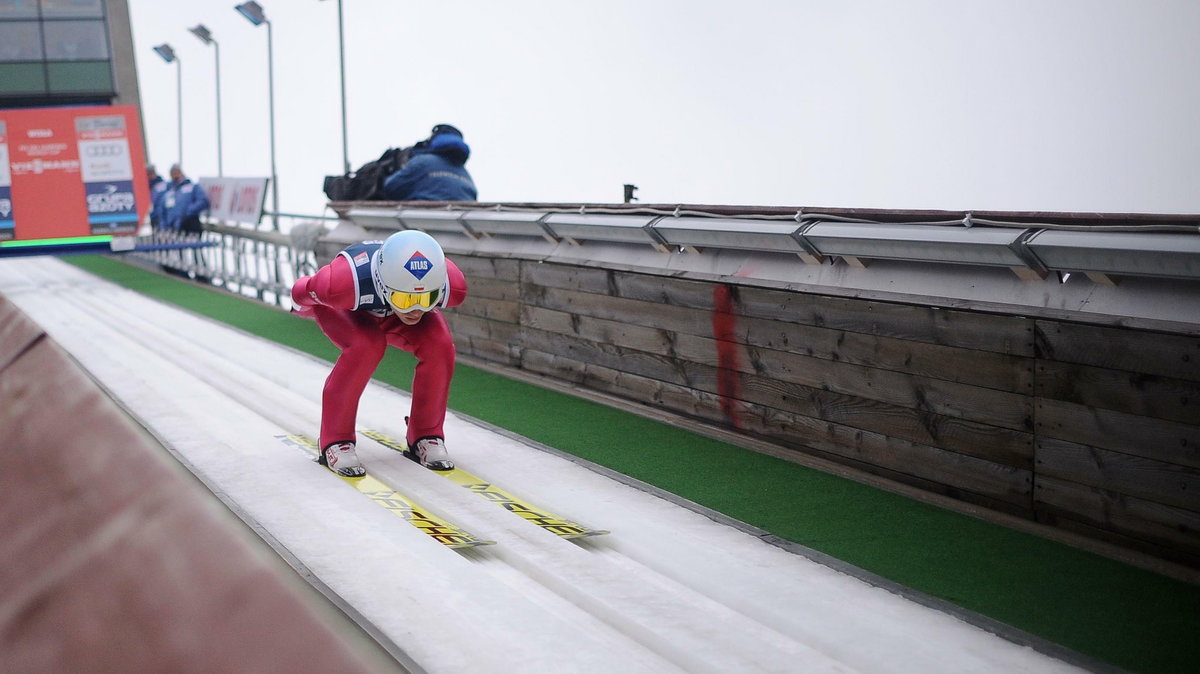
(724, 322)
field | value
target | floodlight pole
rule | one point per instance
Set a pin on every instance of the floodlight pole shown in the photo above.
(271, 105)
(342, 66)
(342, 63)
(179, 106)
(201, 32)
(254, 14)
(168, 54)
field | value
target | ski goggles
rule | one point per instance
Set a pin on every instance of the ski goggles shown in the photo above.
(405, 302)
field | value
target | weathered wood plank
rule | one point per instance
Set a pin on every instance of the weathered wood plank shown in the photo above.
(987, 369)
(1000, 445)
(944, 419)
(988, 406)
(1068, 523)
(978, 368)
(1176, 528)
(474, 326)
(502, 311)
(954, 471)
(496, 268)
(603, 331)
(978, 404)
(1141, 394)
(481, 288)
(1141, 351)
(676, 319)
(1152, 480)
(503, 353)
(1008, 446)
(1167, 441)
(947, 327)
(592, 280)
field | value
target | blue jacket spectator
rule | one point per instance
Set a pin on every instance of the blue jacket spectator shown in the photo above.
(179, 207)
(435, 170)
(158, 187)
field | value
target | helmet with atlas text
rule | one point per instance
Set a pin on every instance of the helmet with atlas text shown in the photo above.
(411, 269)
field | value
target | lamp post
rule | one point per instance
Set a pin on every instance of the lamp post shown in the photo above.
(206, 37)
(164, 50)
(254, 14)
(342, 65)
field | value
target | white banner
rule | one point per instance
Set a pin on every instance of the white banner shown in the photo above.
(236, 199)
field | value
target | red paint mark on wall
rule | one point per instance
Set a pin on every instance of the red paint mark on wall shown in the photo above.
(724, 322)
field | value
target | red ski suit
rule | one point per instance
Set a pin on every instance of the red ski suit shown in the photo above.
(329, 297)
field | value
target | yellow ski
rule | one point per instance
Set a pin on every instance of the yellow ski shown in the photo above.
(543, 518)
(439, 529)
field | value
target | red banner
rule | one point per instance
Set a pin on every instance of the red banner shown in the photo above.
(73, 171)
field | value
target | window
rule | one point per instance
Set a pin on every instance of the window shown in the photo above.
(18, 9)
(20, 41)
(54, 48)
(75, 40)
(72, 9)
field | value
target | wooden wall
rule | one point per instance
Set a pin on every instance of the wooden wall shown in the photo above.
(1093, 429)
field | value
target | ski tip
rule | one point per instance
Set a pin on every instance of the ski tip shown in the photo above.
(474, 543)
(588, 534)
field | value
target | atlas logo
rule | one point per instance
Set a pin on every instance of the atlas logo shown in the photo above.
(110, 200)
(418, 265)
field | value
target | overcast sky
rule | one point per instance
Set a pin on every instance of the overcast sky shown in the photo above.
(1055, 105)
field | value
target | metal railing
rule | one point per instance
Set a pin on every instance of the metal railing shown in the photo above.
(250, 262)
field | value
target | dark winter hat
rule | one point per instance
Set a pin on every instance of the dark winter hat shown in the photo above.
(445, 128)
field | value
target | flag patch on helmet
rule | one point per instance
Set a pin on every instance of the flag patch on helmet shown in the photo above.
(418, 265)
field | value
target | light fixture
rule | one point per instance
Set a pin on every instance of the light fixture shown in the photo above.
(253, 12)
(164, 50)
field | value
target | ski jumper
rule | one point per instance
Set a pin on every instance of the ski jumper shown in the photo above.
(351, 310)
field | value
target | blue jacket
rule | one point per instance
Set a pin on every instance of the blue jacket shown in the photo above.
(434, 173)
(180, 206)
(158, 187)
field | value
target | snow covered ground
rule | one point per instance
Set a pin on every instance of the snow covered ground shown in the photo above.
(668, 591)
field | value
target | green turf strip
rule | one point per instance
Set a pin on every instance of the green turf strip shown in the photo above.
(1110, 611)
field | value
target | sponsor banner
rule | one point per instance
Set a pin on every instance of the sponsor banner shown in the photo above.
(235, 199)
(6, 209)
(107, 173)
(72, 172)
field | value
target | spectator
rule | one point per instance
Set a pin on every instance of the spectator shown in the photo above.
(435, 170)
(157, 187)
(181, 203)
(373, 294)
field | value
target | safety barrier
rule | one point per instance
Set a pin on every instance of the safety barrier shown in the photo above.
(1031, 245)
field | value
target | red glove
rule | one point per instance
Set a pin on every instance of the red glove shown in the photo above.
(302, 301)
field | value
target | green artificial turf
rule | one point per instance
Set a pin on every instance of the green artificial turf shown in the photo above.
(1122, 615)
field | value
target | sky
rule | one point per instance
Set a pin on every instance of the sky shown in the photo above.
(1015, 105)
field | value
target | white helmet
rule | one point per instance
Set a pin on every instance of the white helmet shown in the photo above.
(410, 271)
